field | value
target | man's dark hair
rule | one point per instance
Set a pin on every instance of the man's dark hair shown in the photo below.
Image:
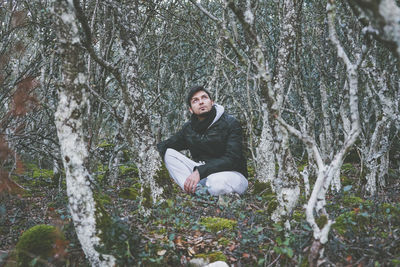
(194, 90)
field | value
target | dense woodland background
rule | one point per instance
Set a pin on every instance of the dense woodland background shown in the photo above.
(89, 87)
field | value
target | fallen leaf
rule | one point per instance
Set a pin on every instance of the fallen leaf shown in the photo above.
(349, 258)
(161, 252)
(191, 251)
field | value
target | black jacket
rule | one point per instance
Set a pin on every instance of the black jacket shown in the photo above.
(220, 147)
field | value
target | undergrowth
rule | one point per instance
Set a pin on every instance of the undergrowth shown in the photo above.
(183, 227)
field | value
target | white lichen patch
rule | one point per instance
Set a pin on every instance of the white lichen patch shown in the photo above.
(80, 196)
(248, 16)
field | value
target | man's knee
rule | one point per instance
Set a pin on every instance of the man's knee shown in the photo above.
(217, 185)
(171, 152)
(171, 155)
(226, 183)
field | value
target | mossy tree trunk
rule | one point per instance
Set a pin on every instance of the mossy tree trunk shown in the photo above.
(136, 123)
(375, 142)
(69, 118)
(275, 148)
(327, 172)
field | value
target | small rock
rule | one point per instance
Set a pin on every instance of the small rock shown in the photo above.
(217, 264)
(198, 262)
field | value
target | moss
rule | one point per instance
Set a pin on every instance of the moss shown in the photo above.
(260, 211)
(129, 193)
(104, 199)
(41, 173)
(147, 200)
(271, 206)
(215, 224)
(102, 171)
(261, 187)
(103, 220)
(126, 155)
(251, 171)
(264, 190)
(298, 216)
(343, 222)
(304, 262)
(352, 201)
(128, 170)
(321, 221)
(395, 262)
(26, 194)
(302, 166)
(212, 256)
(170, 203)
(352, 222)
(348, 168)
(352, 156)
(104, 144)
(345, 180)
(162, 230)
(40, 176)
(163, 179)
(40, 241)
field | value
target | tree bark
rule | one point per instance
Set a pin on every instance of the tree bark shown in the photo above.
(381, 19)
(136, 122)
(69, 120)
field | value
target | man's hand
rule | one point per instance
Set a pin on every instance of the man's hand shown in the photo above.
(191, 182)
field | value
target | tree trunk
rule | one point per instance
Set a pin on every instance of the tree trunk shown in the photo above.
(265, 157)
(69, 123)
(381, 18)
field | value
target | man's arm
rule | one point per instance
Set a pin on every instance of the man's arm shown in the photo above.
(177, 142)
(231, 157)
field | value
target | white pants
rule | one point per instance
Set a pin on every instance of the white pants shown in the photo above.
(180, 167)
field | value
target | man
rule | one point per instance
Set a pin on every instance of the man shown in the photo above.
(214, 140)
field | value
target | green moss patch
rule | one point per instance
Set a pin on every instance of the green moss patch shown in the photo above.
(38, 244)
(131, 193)
(261, 187)
(216, 224)
(128, 170)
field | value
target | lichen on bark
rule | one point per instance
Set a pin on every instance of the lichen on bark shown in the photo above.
(72, 99)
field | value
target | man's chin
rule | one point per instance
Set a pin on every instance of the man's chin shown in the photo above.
(203, 112)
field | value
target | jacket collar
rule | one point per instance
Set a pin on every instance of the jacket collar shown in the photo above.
(220, 110)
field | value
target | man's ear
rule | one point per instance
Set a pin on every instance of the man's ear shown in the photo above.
(190, 109)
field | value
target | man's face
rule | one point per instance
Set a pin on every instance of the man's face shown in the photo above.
(200, 103)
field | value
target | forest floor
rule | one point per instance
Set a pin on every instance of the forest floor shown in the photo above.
(234, 229)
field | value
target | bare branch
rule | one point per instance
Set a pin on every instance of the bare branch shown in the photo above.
(205, 11)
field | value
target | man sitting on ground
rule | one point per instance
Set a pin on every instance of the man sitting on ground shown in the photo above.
(215, 142)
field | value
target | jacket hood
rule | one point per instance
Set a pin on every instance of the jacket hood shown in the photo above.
(220, 110)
